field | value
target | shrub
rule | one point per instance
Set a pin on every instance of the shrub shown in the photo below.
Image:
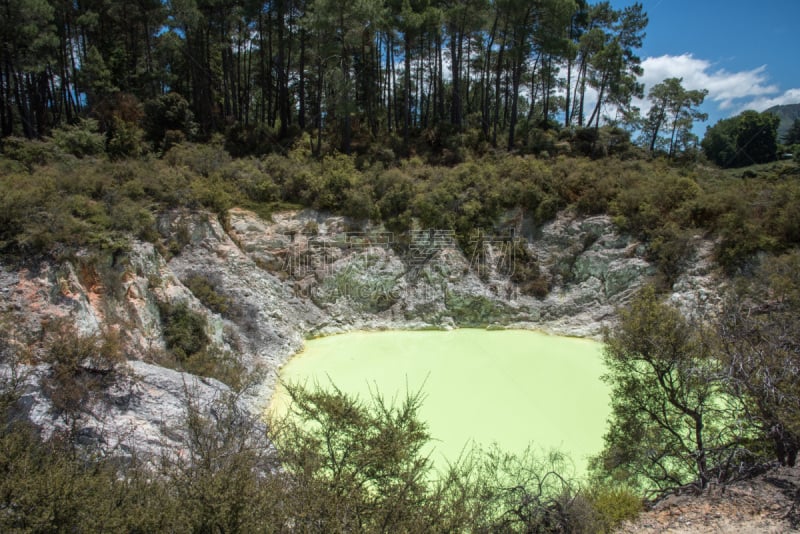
(741, 237)
(81, 367)
(541, 142)
(218, 364)
(584, 141)
(254, 140)
(205, 291)
(248, 176)
(166, 118)
(203, 159)
(330, 189)
(130, 216)
(213, 194)
(669, 249)
(31, 152)
(81, 139)
(758, 328)
(547, 209)
(186, 339)
(184, 330)
(124, 140)
(645, 205)
(613, 505)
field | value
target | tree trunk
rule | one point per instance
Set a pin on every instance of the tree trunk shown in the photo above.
(456, 49)
(407, 89)
(262, 69)
(301, 84)
(389, 81)
(319, 105)
(567, 118)
(674, 130)
(345, 93)
(497, 77)
(702, 468)
(548, 75)
(270, 108)
(283, 82)
(595, 116)
(516, 75)
(485, 80)
(656, 128)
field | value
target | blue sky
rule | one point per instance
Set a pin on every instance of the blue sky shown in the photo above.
(746, 53)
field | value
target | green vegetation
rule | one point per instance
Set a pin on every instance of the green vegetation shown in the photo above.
(80, 369)
(669, 122)
(345, 466)
(353, 112)
(666, 427)
(184, 330)
(54, 204)
(442, 115)
(373, 78)
(189, 347)
(743, 140)
(759, 351)
(204, 289)
(699, 402)
(792, 137)
(792, 140)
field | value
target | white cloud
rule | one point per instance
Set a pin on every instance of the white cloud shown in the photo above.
(792, 96)
(729, 93)
(732, 92)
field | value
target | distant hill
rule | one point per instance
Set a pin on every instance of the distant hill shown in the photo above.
(787, 113)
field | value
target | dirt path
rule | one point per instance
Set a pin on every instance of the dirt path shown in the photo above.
(768, 503)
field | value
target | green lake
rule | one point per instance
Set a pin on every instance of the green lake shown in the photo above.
(512, 387)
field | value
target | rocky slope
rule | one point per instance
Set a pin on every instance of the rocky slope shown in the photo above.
(304, 274)
(766, 504)
(787, 113)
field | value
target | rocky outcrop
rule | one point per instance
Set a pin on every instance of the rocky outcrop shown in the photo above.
(143, 412)
(360, 276)
(305, 273)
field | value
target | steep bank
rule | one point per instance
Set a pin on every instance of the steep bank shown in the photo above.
(764, 504)
(305, 273)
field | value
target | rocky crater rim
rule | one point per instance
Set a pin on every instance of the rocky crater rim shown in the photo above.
(263, 287)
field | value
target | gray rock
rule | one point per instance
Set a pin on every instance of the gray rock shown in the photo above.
(305, 274)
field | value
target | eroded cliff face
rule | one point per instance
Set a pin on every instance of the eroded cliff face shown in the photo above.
(306, 274)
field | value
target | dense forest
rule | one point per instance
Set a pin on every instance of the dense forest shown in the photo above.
(407, 77)
(351, 72)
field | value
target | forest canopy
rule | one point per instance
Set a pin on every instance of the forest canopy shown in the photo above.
(745, 139)
(348, 73)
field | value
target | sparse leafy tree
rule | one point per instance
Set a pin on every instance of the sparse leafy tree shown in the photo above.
(362, 465)
(528, 493)
(81, 368)
(667, 427)
(617, 66)
(760, 329)
(672, 114)
(226, 481)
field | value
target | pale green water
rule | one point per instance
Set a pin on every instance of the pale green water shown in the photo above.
(512, 387)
